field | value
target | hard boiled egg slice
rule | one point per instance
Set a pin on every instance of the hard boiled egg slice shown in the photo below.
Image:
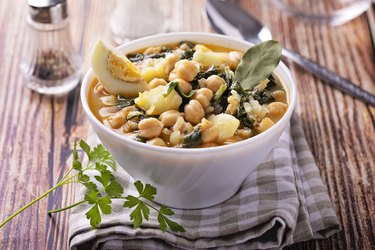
(115, 72)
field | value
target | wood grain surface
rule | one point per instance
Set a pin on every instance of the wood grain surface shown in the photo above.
(36, 131)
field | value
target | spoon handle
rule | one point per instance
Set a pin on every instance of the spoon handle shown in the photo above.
(330, 77)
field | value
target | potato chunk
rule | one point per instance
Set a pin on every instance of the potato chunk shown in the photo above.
(226, 124)
(155, 103)
(207, 57)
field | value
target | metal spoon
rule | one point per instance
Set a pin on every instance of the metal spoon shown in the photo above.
(230, 19)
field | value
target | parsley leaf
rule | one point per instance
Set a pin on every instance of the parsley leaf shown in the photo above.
(148, 192)
(100, 194)
(99, 153)
(114, 189)
(98, 201)
(76, 163)
(85, 148)
(166, 223)
(93, 215)
(83, 177)
(141, 208)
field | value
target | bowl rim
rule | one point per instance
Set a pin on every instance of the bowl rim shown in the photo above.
(281, 67)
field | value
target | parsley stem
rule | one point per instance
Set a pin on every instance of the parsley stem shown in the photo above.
(144, 201)
(66, 175)
(75, 175)
(28, 205)
(65, 208)
(70, 182)
(151, 206)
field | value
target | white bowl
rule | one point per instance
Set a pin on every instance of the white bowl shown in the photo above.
(197, 177)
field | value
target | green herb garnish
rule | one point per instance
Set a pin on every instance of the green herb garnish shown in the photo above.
(175, 86)
(187, 54)
(257, 63)
(193, 139)
(101, 193)
(124, 102)
(140, 57)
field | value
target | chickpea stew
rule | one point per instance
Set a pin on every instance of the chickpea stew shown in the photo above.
(183, 95)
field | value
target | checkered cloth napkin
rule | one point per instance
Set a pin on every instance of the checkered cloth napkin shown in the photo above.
(284, 201)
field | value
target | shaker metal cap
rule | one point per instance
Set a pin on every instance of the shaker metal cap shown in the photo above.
(48, 11)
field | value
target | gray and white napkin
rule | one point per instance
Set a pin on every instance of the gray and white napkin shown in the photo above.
(284, 201)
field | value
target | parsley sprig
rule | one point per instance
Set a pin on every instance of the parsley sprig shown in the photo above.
(104, 189)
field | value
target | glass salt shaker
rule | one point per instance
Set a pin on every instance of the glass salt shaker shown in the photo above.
(50, 64)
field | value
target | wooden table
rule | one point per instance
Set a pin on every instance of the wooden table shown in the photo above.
(36, 132)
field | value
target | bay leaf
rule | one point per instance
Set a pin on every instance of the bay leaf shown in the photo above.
(257, 63)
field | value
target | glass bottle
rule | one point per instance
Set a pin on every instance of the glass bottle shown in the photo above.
(50, 64)
(331, 12)
(132, 19)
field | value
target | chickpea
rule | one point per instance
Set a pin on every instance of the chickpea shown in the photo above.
(165, 133)
(150, 128)
(203, 96)
(209, 131)
(194, 112)
(184, 85)
(188, 128)
(108, 100)
(276, 110)
(172, 76)
(99, 88)
(130, 126)
(234, 59)
(186, 70)
(244, 133)
(179, 124)
(214, 82)
(169, 118)
(152, 50)
(232, 140)
(118, 119)
(279, 96)
(234, 102)
(262, 85)
(156, 82)
(175, 138)
(170, 61)
(265, 124)
(184, 46)
(157, 142)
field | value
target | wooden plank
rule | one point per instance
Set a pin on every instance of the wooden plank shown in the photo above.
(36, 131)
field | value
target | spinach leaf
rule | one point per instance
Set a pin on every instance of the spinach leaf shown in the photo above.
(238, 88)
(263, 97)
(187, 54)
(140, 57)
(204, 74)
(227, 75)
(137, 114)
(272, 83)
(220, 92)
(124, 102)
(257, 63)
(175, 86)
(244, 117)
(193, 139)
(140, 138)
